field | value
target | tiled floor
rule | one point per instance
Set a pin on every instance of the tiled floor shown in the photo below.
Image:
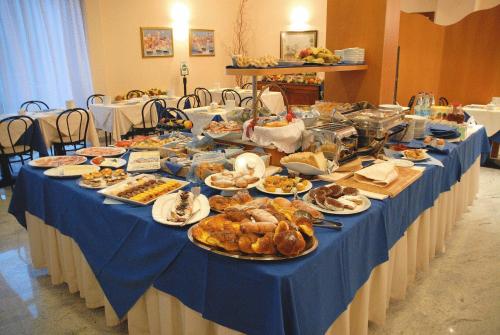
(460, 294)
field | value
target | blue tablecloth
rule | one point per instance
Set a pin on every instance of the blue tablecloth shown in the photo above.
(129, 252)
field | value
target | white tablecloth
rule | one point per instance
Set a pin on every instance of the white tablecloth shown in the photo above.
(201, 117)
(490, 119)
(272, 100)
(118, 118)
(157, 312)
(47, 122)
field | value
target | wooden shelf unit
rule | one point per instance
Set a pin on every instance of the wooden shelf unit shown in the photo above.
(292, 70)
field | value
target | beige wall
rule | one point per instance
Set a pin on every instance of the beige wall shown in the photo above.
(114, 43)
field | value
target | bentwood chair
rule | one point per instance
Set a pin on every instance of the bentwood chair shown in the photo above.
(188, 101)
(246, 85)
(230, 94)
(93, 98)
(411, 102)
(16, 137)
(204, 96)
(72, 126)
(39, 105)
(169, 119)
(134, 94)
(443, 101)
(150, 113)
(248, 102)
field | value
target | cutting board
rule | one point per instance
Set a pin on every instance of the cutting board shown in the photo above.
(406, 177)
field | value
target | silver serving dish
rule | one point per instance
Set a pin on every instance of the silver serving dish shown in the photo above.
(311, 245)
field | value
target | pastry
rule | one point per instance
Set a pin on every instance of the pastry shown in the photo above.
(183, 207)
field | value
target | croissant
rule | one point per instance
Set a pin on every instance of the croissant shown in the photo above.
(245, 242)
(264, 245)
(289, 242)
(258, 227)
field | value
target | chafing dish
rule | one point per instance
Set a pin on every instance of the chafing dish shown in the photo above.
(337, 141)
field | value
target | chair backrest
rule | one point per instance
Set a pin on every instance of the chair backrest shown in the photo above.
(410, 103)
(248, 102)
(134, 94)
(172, 113)
(40, 105)
(188, 101)
(230, 94)
(91, 100)
(151, 111)
(443, 101)
(246, 85)
(72, 126)
(16, 131)
(204, 96)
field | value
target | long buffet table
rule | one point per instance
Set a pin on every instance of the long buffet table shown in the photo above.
(118, 257)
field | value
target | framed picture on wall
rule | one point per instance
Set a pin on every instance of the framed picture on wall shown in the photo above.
(201, 42)
(157, 42)
(291, 42)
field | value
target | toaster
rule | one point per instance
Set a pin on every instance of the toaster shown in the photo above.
(338, 141)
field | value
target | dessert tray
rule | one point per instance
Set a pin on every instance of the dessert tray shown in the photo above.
(55, 161)
(101, 179)
(142, 189)
(283, 185)
(101, 151)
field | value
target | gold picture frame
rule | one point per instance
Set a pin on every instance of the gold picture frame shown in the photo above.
(291, 42)
(201, 42)
(157, 42)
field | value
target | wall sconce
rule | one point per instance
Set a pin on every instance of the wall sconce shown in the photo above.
(299, 16)
(179, 13)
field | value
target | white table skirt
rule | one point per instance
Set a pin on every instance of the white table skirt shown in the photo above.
(157, 312)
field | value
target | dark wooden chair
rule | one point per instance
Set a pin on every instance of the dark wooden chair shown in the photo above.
(411, 102)
(16, 139)
(248, 102)
(246, 85)
(72, 126)
(443, 101)
(169, 117)
(188, 101)
(204, 96)
(230, 94)
(150, 113)
(40, 105)
(134, 94)
(92, 99)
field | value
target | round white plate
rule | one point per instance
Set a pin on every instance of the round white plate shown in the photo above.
(120, 162)
(165, 203)
(426, 156)
(70, 171)
(104, 151)
(55, 161)
(402, 162)
(261, 188)
(208, 182)
(242, 162)
(361, 208)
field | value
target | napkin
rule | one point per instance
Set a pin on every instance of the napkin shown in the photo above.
(377, 174)
(443, 131)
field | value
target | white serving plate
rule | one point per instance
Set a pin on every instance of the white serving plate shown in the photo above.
(108, 163)
(36, 163)
(426, 156)
(135, 166)
(70, 171)
(112, 151)
(261, 188)
(361, 208)
(242, 162)
(162, 205)
(107, 192)
(402, 162)
(208, 182)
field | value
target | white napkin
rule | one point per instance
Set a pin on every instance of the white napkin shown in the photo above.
(377, 174)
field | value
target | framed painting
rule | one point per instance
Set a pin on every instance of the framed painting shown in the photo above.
(157, 42)
(201, 42)
(291, 42)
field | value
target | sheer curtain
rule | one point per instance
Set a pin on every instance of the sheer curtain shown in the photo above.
(43, 53)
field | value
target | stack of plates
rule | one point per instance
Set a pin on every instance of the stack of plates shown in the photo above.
(351, 55)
